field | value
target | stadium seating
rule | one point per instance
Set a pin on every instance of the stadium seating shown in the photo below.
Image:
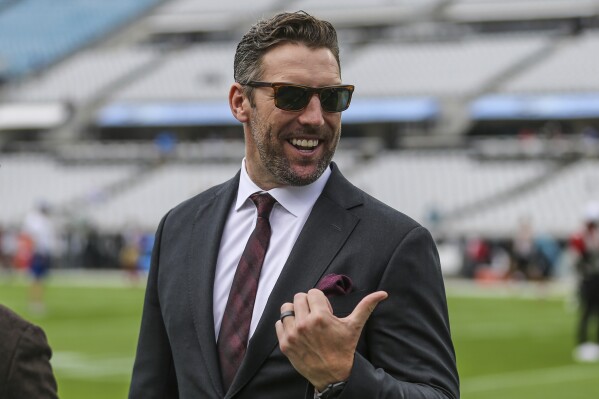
(571, 68)
(26, 179)
(200, 72)
(353, 13)
(205, 16)
(510, 10)
(146, 200)
(443, 68)
(421, 182)
(73, 81)
(180, 52)
(36, 33)
(554, 207)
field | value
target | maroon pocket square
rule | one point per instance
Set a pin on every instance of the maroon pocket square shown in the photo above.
(335, 284)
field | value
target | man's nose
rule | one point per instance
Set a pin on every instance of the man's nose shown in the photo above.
(312, 114)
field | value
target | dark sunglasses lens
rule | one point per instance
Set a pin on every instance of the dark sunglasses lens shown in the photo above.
(335, 99)
(291, 98)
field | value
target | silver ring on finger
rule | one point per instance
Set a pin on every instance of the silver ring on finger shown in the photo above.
(287, 314)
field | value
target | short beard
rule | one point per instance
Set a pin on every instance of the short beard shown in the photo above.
(278, 165)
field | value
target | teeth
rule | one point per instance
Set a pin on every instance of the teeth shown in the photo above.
(304, 143)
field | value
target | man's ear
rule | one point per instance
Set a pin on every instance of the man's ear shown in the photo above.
(238, 103)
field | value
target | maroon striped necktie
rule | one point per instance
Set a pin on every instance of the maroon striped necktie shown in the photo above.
(235, 326)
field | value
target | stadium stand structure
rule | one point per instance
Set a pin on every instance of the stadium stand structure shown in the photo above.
(203, 72)
(28, 179)
(445, 182)
(430, 75)
(225, 16)
(571, 68)
(515, 10)
(156, 193)
(441, 69)
(553, 206)
(72, 81)
(34, 34)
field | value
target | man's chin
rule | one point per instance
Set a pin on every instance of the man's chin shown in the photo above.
(302, 176)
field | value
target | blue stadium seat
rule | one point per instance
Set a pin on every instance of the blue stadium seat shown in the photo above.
(37, 33)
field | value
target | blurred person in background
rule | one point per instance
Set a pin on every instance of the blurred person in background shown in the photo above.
(523, 252)
(344, 297)
(586, 247)
(5, 257)
(477, 256)
(42, 232)
(129, 253)
(534, 255)
(25, 370)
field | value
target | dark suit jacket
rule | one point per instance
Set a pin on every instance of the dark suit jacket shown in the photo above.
(25, 370)
(405, 350)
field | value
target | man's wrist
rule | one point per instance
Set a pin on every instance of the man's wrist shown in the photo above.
(330, 391)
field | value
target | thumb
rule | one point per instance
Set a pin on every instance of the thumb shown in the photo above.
(366, 306)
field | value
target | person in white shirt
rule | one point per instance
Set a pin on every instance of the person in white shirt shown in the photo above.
(40, 228)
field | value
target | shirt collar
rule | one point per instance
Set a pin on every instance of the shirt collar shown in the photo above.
(297, 200)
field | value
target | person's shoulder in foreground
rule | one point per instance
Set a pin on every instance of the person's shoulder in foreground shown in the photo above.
(25, 370)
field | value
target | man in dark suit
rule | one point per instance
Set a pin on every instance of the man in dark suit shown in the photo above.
(25, 370)
(350, 301)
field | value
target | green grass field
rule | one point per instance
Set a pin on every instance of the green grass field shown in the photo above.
(508, 346)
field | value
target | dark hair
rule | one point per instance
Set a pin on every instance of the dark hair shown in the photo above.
(296, 27)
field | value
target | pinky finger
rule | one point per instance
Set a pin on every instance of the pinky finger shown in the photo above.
(280, 330)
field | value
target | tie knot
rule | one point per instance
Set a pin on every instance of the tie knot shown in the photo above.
(264, 202)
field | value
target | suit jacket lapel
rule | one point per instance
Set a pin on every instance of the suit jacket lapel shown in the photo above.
(208, 226)
(324, 234)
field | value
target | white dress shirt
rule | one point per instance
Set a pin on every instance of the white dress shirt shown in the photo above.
(287, 218)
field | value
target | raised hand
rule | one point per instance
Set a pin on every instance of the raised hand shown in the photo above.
(319, 345)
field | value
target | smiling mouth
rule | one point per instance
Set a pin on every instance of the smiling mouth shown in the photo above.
(304, 144)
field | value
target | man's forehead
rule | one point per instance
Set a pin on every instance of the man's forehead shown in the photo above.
(292, 58)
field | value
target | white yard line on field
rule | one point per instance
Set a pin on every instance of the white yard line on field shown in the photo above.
(555, 289)
(517, 379)
(79, 365)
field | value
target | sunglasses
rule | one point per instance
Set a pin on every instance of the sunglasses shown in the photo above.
(292, 97)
